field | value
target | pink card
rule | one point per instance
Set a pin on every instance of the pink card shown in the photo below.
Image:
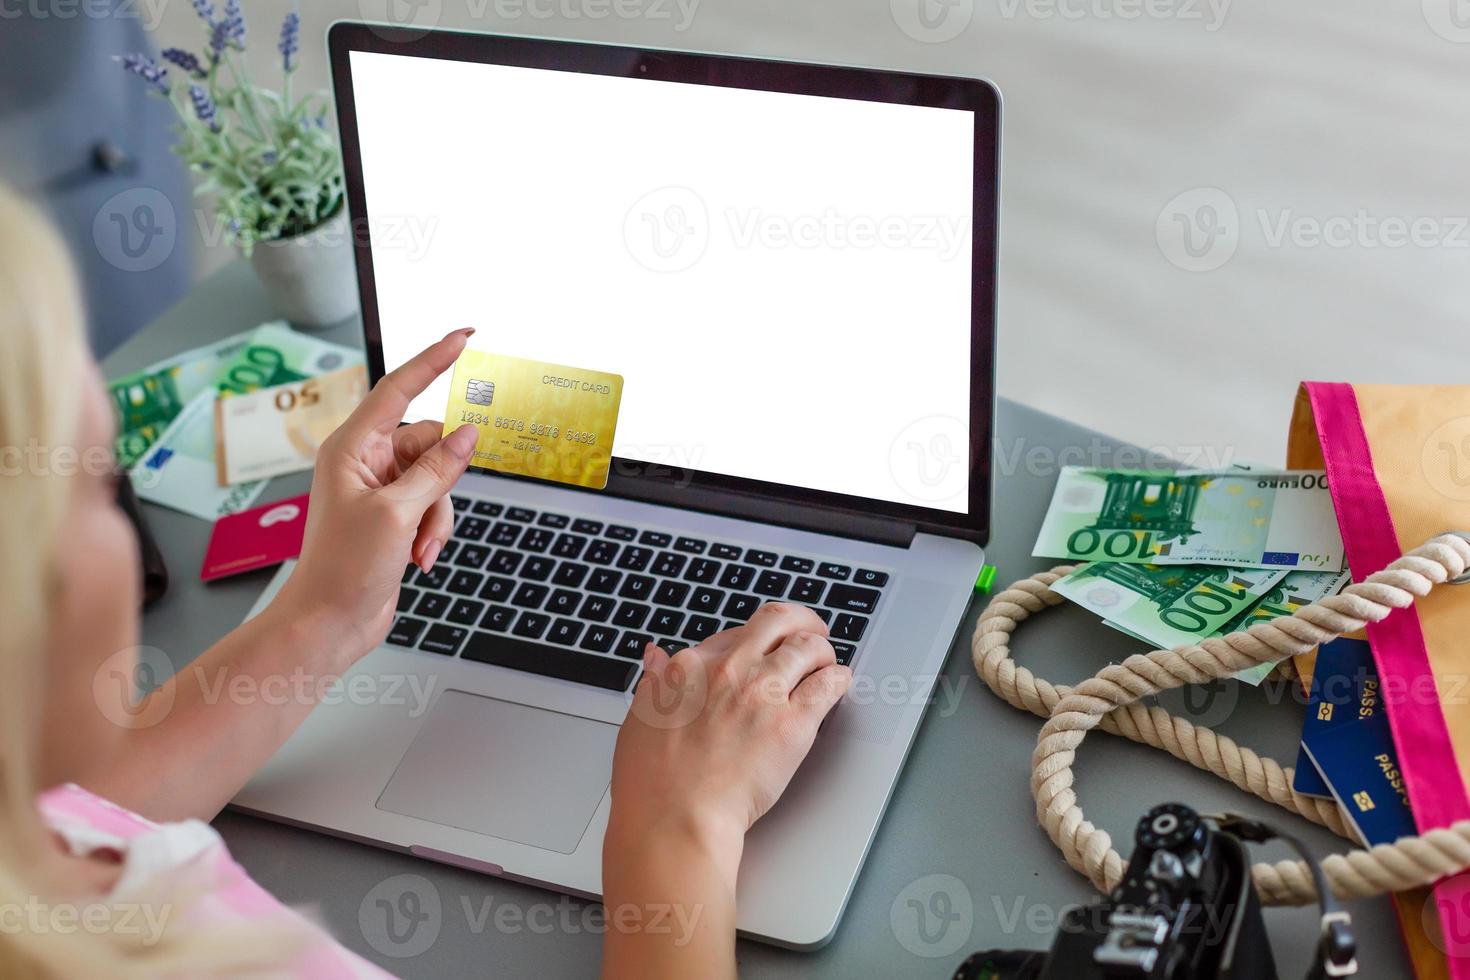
(256, 538)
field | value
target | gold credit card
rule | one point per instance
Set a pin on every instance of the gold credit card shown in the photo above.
(537, 419)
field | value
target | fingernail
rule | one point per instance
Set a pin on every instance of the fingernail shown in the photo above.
(431, 553)
(648, 650)
(462, 441)
(467, 331)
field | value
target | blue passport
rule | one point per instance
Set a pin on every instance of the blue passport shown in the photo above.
(1344, 689)
(1360, 764)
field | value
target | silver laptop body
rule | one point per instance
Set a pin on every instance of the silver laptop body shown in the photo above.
(466, 742)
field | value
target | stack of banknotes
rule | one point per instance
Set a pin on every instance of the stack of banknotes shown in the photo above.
(1175, 557)
(271, 392)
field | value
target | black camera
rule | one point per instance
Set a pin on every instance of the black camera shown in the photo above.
(1185, 910)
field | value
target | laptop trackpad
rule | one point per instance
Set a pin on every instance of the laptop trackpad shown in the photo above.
(504, 769)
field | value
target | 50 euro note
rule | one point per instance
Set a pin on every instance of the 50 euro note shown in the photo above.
(1234, 518)
(1167, 606)
(279, 430)
(1295, 590)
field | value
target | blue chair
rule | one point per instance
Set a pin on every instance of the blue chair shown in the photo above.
(90, 143)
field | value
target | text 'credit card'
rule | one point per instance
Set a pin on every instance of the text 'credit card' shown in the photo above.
(537, 419)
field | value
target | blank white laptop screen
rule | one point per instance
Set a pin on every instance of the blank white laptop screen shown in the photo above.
(784, 281)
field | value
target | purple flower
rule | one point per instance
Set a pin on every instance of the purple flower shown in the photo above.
(290, 39)
(204, 108)
(147, 69)
(234, 24)
(184, 60)
(218, 40)
(205, 10)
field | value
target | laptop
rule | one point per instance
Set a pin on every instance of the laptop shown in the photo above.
(793, 269)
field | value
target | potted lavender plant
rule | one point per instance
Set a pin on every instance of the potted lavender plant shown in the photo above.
(268, 161)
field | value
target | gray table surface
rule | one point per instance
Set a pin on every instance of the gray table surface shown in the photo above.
(962, 807)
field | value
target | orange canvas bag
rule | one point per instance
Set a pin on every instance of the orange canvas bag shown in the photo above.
(1398, 464)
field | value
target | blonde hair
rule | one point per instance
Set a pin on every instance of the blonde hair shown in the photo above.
(42, 345)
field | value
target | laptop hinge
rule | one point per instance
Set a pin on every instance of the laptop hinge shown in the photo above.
(783, 513)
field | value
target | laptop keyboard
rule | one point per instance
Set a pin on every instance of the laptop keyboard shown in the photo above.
(577, 599)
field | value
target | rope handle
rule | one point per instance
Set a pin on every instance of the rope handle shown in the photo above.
(1109, 701)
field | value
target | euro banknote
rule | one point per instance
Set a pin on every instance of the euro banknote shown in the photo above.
(147, 401)
(1295, 590)
(1165, 605)
(276, 355)
(178, 471)
(1234, 518)
(279, 429)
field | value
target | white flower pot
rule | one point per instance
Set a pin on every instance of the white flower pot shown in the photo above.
(311, 278)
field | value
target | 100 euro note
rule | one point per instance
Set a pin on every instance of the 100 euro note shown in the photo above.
(275, 354)
(1296, 590)
(1228, 517)
(148, 400)
(1167, 606)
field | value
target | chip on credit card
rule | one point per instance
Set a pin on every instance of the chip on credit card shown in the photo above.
(536, 419)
